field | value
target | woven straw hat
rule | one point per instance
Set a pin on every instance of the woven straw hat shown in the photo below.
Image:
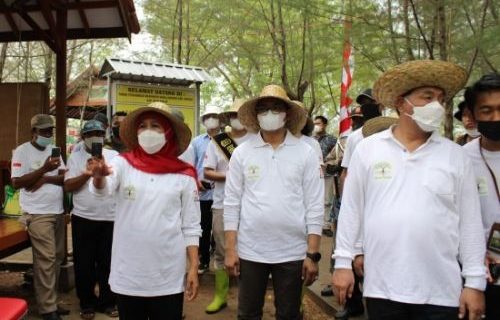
(296, 115)
(377, 124)
(128, 128)
(415, 74)
(237, 103)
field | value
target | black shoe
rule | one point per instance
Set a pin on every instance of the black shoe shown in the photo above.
(327, 291)
(327, 232)
(202, 268)
(51, 316)
(351, 310)
(62, 311)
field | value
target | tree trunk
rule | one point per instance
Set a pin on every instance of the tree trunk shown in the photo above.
(188, 31)
(71, 59)
(443, 55)
(3, 57)
(391, 30)
(409, 50)
(47, 75)
(179, 33)
(27, 62)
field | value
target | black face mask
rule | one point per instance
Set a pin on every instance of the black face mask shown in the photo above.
(116, 132)
(489, 129)
(370, 111)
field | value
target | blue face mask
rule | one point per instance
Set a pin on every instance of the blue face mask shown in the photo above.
(43, 141)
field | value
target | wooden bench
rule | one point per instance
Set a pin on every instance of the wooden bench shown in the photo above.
(13, 237)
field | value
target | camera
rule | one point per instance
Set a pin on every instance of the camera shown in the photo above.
(494, 270)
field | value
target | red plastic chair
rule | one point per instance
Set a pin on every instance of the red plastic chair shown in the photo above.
(13, 309)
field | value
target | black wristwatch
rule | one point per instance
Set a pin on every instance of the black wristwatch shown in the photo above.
(315, 256)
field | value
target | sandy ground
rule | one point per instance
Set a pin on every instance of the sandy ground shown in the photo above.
(11, 284)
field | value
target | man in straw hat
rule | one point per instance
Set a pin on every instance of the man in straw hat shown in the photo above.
(39, 173)
(273, 207)
(411, 202)
(210, 120)
(217, 157)
(483, 103)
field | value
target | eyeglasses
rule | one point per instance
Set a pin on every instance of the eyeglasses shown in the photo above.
(275, 108)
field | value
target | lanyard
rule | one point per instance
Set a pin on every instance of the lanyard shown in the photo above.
(489, 169)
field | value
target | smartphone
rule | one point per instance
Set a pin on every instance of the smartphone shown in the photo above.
(207, 185)
(96, 150)
(56, 152)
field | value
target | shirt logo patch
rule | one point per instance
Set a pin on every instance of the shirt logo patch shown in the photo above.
(36, 165)
(16, 164)
(382, 170)
(253, 172)
(482, 186)
(129, 192)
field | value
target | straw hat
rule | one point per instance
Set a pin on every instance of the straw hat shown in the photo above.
(296, 116)
(415, 74)
(128, 128)
(377, 124)
(237, 103)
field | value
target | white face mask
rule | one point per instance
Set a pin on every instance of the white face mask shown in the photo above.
(89, 141)
(236, 124)
(211, 123)
(269, 121)
(151, 141)
(473, 132)
(317, 128)
(427, 117)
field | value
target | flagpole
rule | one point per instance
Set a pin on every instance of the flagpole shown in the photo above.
(346, 76)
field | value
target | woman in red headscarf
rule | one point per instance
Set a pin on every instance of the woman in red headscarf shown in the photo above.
(157, 216)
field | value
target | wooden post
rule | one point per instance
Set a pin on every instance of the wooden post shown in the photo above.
(62, 19)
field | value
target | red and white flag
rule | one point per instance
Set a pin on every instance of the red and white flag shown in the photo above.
(345, 101)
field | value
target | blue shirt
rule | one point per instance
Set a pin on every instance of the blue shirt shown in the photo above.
(200, 144)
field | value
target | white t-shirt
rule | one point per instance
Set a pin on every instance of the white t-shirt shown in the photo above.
(314, 144)
(490, 206)
(274, 198)
(49, 198)
(418, 214)
(157, 217)
(85, 204)
(188, 155)
(351, 143)
(215, 159)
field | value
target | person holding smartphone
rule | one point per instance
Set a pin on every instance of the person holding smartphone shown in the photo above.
(38, 170)
(157, 220)
(92, 220)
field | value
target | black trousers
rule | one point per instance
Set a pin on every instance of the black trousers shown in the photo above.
(206, 227)
(287, 285)
(92, 242)
(382, 309)
(151, 308)
(492, 295)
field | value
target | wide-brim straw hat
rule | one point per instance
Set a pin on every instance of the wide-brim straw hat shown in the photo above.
(416, 74)
(377, 124)
(309, 125)
(235, 107)
(296, 115)
(128, 128)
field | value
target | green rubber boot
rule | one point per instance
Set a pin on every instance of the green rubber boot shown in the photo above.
(221, 288)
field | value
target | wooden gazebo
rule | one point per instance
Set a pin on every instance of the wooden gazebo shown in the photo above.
(56, 21)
